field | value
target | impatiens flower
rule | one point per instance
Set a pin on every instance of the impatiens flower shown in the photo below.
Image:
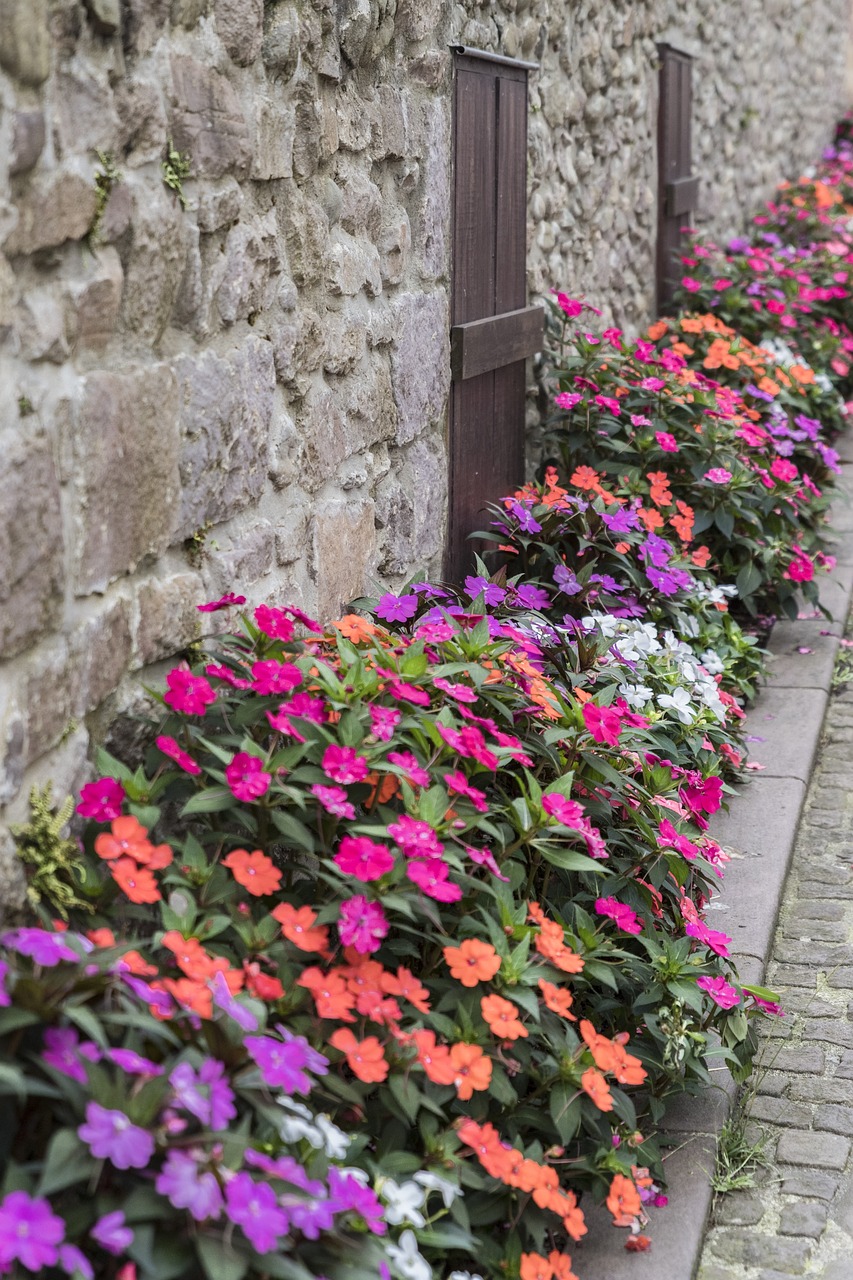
(720, 991)
(502, 1018)
(223, 999)
(623, 1201)
(334, 800)
(624, 917)
(596, 1087)
(567, 399)
(416, 838)
(704, 796)
(383, 722)
(492, 593)
(225, 673)
(30, 1232)
(45, 948)
(273, 677)
(136, 883)
(713, 938)
(718, 475)
(690, 284)
(101, 800)
(411, 766)
(297, 925)
(224, 602)
(432, 878)
(407, 1259)
(274, 623)
(403, 1202)
(485, 858)
(363, 858)
(175, 752)
(460, 692)
(284, 1063)
(603, 723)
(670, 838)
(189, 694)
(362, 924)
(567, 812)
(185, 1188)
(344, 764)
(75, 1263)
(132, 1063)
(109, 1135)
(254, 871)
(253, 1207)
(112, 1234)
(666, 441)
(800, 568)
(472, 1069)
(472, 962)
(571, 306)
(64, 1052)
(365, 1058)
(205, 1093)
(393, 608)
(457, 784)
(557, 999)
(247, 777)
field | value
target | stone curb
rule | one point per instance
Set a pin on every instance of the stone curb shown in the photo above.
(759, 832)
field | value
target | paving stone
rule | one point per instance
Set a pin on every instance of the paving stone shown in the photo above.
(816, 1150)
(809, 1182)
(784, 1112)
(845, 1066)
(804, 1058)
(808, 1218)
(811, 1090)
(839, 1032)
(753, 1250)
(738, 1210)
(837, 1119)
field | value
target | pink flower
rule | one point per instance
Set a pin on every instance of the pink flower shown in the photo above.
(485, 858)
(769, 1006)
(224, 602)
(343, 764)
(362, 924)
(800, 569)
(275, 677)
(431, 877)
(189, 694)
(205, 1094)
(784, 470)
(704, 796)
(457, 784)
(247, 778)
(109, 1135)
(469, 742)
(172, 749)
(603, 723)
(359, 856)
(334, 800)
(718, 475)
(274, 623)
(713, 938)
(185, 1188)
(101, 800)
(253, 1207)
(690, 284)
(720, 991)
(568, 812)
(624, 918)
(411, 766)
(608, 402)
(112, 1234)
(30, 1232)
(571, 306)
(652, 384)
(416, 838)
(640, 420)
(670, 838)
(667, 441)
(461, 692)
(226, 674)
(568, 399)
(383, 722)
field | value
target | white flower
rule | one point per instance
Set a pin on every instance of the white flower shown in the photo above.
(448, 1190)
(463, 1275)
(359, 1174)
(406, 1260)
(636, 695)
(680, 703)
(294, 1128)
(403, 1201)
(712, 662)
(335, 1141)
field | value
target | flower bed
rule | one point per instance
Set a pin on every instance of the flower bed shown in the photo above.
(387, 957)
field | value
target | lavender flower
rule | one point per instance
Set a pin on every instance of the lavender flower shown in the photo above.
(283, 1065)
(185, 1188)
(253, 1207)
(30, 1232)
(46, 949)
(205, 1093)
(109, 1135)
(112, 1234)
(393, 608)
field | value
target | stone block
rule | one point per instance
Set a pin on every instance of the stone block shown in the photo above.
(153, 264)
(240, 27)
(813, 1150)
(361, 202)
(836, 1118)
(53, 690)
(420, 362)
(168, 619)
(342, 552)
(103, 643)
(186, 13)
(126, 464)
(145, 22)
(738, 1210)
(85, 109)
(218, 207)
(225, 413)
(13, 741)
(28, 135)
(13, 885)
(352, 264)
(808, 1182)
(31, 541)
(55, 207)
(805, 1059)
(41, 327)
(781, 1111)
(306, 229)
(789, 1256)
(104, 15)
(142, 128)
(280, 48)
(432, 226)
(275, 126)
(95, 298)
(25, 40)
(207, 120)
(395, 245)
(251, 258)
(249, 556)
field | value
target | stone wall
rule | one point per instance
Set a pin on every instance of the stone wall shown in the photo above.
(238, 379)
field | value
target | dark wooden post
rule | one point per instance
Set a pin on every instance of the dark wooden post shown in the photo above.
(493, 331)
(678, 190)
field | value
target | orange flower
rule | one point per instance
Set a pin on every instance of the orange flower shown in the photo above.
(102, 937)
(254, 871)
(802, 374)
(623, 1201)
(128, 837)
(574, 1221)
(473, 1070)
(354, 627)
(136, 964)
(701, 557)
(523, 1174)
(657, 330)
(660, 492)
(638, 1244)
(535, 913)
(383, 788)
(482, 1138)
(297, 925)
(562, 1266)
(502, 1017)
(434, 1058)
(332, 997)
(408, 988)
(195, 996)
(594, 1084)
(767, 384)
(551, 945)
(557, 999)
(365, 1058)
(535, 1267)
(136, 882)
(585, 478)
(261, 984)
(651, 519)
(472, 962)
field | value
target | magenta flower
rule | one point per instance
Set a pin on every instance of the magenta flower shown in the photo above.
(284, 1065)
(784, 470)
(44, 948)
(109, 1135)
(704, 796)
(132, 1063)
(343, 764)
(30, 1232)
(275, 677)
(718, 475)
(460, 692)
(670, 838)
(247, 778)
(305, 707)
(383, 722)
(431, 877)
(457, 784)
(691, 285)
(568, 399)
(111, 1233)
(64, 1052)
(206, 1093)
(72, 1260)
(334, 800)
(608, 402)
(185, 1188)
(416, 838)
(571, 306)
(189, 694)
(101, 800)
(567, 812)
(411, 766)
(226, 674)
(253, 1207)
(393, 608)
(274, 623)
(713, 938)
(362, 924)
(174, 751)
(485, 858)
(603, 723)
(224, 1000)
(769, 1006)
(720, 991)
(623, 917)
(361, 857)
(492, 593)
(800, 568)
(224, 602)
(350, 1195)
(667, 441)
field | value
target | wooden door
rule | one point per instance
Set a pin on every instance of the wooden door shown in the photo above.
(492, 329)
(678, 190)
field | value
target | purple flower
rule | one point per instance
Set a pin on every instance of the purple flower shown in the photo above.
(185, 1188)
(393, 608)
(283, 1065)
(72, 1260)
(224, 1000)
(668, 581)
(63, 1052)
(101, 800)
(526, 522)
(620, 521)
(161, 1000)
(348, 1194)
(312, 1217)
(757, 394)
(129, 1061)
(109, 1135)
(656, 551)
(530, 597)
(111, 1233)
(46, 949)
(566, 581)
(607, 583)
(253, 1206)
(206, 1094)
(831, 457)
(30, 1232)
(286, 1168)
(739, 244)
(491, 592)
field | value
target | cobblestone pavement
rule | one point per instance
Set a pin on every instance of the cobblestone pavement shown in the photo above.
(798, 1219)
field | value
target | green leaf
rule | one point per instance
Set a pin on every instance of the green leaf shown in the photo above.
(565, 1109)
(88, 1023)
(67, 1161)
(210, 800)
(571, 860)
(748, 580)
(292, 829)
(219, 1261)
